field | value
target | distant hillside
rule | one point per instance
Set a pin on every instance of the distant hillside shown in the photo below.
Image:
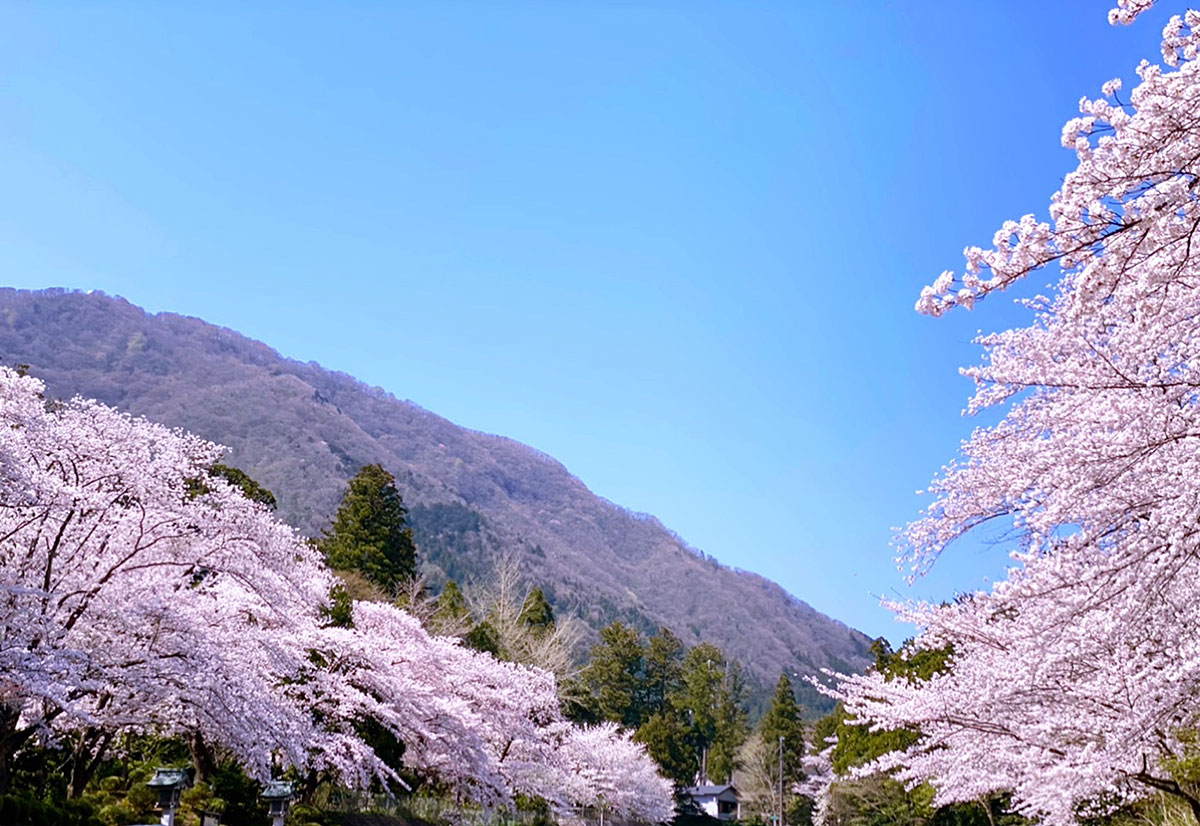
(303, 431)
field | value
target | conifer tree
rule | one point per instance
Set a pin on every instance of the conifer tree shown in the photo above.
(712, 694)
(782, 720)
(370, 533)
(613, 674)
(665, 736)
(663, 672)
(536, 612)
(731, 724)
(451, 604)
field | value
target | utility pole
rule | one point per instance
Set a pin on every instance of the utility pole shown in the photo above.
(781, 780)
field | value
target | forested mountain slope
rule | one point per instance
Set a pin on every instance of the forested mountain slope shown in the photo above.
(302, 431)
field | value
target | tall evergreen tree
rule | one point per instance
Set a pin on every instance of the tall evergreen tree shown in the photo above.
(536, 612)
(370, 532)
(665, 736)
(731, 724)
(782, 720)
(451, 604)
(712, 694)
(612, 677)
(662, 672)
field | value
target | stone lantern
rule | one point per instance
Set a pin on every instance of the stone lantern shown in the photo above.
(169, 783)
(278, 796)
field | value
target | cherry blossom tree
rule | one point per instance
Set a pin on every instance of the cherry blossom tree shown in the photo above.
(601, 767)
(1073, 683)
(140, 593)
(490, 728)
(133, 595)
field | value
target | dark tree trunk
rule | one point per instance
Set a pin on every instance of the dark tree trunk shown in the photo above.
(10, 741)
(202, 757)
(77, 776)
(89, 753)
(1170, 786)
(1195, 804)
(986, 803)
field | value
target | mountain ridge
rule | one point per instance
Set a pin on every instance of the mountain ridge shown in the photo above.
(302, 430)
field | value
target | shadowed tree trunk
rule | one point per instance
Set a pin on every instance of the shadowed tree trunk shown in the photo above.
(90, 750)
(11, 739)
(203, 757)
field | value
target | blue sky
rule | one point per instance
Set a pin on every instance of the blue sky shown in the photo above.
(675, 245)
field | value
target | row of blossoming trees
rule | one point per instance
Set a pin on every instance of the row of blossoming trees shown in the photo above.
(1073, 686)
(138, 593)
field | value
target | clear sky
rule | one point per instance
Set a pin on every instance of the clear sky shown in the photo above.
(674, 245)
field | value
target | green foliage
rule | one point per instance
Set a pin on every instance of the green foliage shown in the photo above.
(857, 745)
(627, 680)
(370, 533)
(305, 814)
(536, 611)
(909, 662)
(236, 796)
(612, 676)
(118, 794)
(454, 541)
(118, 790)
(662, 672)
(536, 811)
(26, 810)
(122, 796)
(1185, 768)
(483, 637)
(731, 725)
(879, 800)
(340, 611)
(390, 750)
(451, 604)
(782, 722)
(798, 811)
(666, 738)
(251, 489)
(713, 693)
(681, 706)
(198, 799)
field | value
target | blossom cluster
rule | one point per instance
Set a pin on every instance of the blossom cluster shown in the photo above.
(1072, 683)
(140, 593)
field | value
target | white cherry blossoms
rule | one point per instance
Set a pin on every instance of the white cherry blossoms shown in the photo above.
(1072, 683)
(139, 593)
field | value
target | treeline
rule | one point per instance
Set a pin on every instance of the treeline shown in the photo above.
(687, 707)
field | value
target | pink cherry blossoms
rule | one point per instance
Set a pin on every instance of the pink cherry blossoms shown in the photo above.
(138, 593)
(1073, 683)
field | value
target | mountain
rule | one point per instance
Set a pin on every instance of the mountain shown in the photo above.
(303, 431)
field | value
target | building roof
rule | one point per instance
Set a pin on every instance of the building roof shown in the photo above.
(710, 791)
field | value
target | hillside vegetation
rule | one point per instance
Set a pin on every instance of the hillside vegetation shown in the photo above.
(303, 431)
